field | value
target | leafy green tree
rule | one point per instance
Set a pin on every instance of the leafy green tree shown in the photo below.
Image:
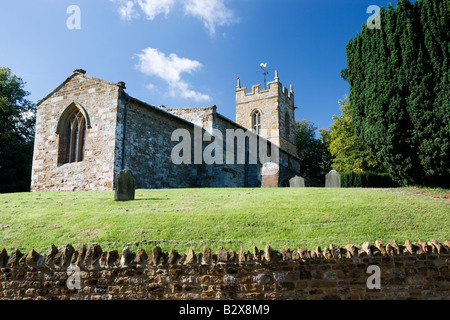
(17, 120)
(348, 150)
(315, 159)
(399, 79)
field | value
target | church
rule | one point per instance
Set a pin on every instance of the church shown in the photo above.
(89, 129)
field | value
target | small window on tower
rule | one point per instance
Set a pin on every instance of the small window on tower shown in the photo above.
(287, 124)
(256, 122)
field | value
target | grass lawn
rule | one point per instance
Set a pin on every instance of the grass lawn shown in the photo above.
(194, 218)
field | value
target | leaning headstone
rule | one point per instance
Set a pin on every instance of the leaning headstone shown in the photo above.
(333, 179)
(297, 182)
(270, 173)
(125, 186)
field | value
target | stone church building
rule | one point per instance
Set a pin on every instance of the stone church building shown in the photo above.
(89, 129)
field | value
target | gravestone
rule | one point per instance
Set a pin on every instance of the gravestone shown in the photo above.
(297, 182)
(333, 179)
(270, 173)
(124, 186)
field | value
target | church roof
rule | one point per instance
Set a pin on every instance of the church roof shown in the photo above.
(159, 109)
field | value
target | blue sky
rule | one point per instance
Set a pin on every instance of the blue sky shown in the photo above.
(187, 53)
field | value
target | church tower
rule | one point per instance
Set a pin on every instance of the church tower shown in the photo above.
(268, 112)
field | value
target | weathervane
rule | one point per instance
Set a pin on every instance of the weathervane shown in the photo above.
(265, 72)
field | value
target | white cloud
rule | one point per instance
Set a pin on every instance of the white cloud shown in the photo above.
(182, 89)
(126, 9)
(212, 12)
(169, 68)
(152, 8)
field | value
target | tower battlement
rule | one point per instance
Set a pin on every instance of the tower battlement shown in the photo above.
(274, 89)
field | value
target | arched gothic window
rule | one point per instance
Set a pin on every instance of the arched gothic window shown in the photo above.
(72, 136)
(256, 121)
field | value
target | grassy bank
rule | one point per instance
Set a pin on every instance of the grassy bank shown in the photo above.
(194, 218)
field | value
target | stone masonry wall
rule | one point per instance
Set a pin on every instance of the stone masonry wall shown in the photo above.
(96, 172)
(148, 149)
(228, 174)
(411, 271)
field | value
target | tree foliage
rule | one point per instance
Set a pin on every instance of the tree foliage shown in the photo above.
(315, 159)
(399, 79)
(17, 119)
(348, 150)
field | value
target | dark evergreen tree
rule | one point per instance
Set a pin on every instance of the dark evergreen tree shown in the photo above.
(399, 79)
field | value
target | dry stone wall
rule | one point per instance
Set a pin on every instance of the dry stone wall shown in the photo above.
(417, 270)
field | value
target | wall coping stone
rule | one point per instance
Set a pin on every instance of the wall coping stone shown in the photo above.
(94, 257)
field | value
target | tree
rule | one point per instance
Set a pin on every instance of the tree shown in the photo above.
(399, 80)
(315, 159)
(17, 120)
(348, 150)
